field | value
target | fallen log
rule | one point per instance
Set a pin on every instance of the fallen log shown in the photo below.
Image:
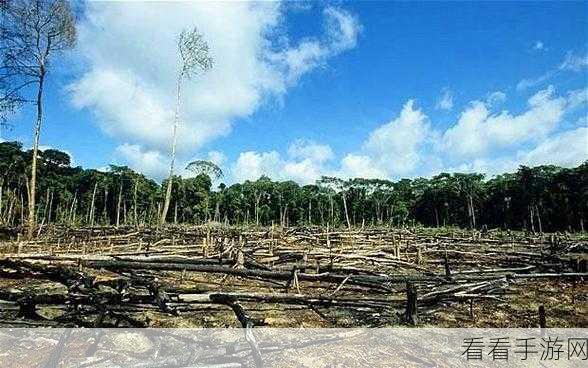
(363, 280)
(289, 299)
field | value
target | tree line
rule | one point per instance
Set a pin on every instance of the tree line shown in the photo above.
(39, 187)
(537, 199)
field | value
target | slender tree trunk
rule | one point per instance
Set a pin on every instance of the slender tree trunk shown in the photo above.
(22, 209)
(118, 203)
(45, 208)
(217, 215)
(49, 214)
(332, 214)
(286, 216)
(136, 219)
(173, 153)
(346, 212)
(257, 199)
(105, 209)
(1, 187)
(538, 219)
(91, 219)
(176, 213)
(531, 216)
(9, 217)
(73, 207)
(37, 133)
(473, 212)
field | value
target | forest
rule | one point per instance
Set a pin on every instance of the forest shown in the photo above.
(534, 199)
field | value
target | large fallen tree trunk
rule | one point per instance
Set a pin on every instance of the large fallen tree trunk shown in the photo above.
(291, 299)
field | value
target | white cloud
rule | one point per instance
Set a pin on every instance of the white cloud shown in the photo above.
(252, 165)
(304, 172)
(306, 162)
(302, 149)
(566, 149)
(150, 163)
(538, 46)
(572, 62)
(409, 146)
(395, 146)
(445, 101)
(130, 52)
(532, 82)
(360, 166)
(577, 98)
(477, 132)
(342, 30)
(479, 140)
(495, 98)
(154, 164)
(218, 158)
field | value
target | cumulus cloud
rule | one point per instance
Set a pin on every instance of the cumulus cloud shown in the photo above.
(302, 149)
(478, 131)
(445, 101)
(479, 140)
(361, 166)
(395, 146)
(306, 161)
(129, 49)
(252, 165)
(150, 163)
(566, 149)
(569, 148)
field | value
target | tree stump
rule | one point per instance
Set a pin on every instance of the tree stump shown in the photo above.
(542, 319)
(410, 315)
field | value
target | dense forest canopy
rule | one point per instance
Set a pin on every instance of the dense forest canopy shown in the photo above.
(542, 198)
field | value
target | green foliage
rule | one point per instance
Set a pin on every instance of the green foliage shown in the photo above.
(546, 198)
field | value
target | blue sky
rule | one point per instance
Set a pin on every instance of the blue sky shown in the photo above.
(299, 90)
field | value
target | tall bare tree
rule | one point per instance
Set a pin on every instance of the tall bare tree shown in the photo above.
(193, 57)
(32, 31)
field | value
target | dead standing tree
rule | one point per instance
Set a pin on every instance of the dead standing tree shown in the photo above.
(32, 32)
(193, 57)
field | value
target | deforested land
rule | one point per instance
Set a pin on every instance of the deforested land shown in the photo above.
(217, 276)
(453, 251)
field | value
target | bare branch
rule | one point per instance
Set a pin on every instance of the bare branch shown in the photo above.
(194, 53)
